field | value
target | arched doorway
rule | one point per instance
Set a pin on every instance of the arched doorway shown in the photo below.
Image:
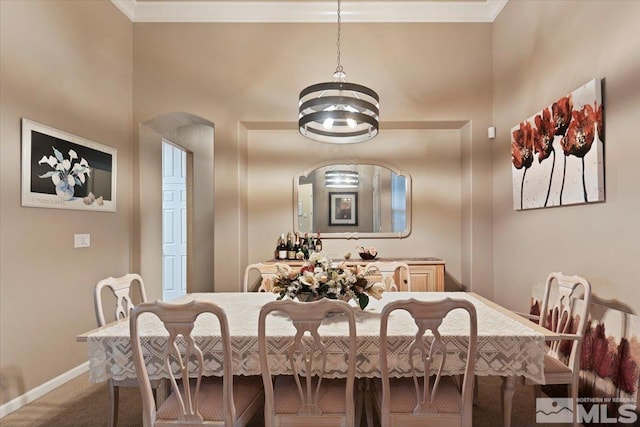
(196, 136)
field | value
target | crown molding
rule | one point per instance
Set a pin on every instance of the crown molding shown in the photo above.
(310, 11)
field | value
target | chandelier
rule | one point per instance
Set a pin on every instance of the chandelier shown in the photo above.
(338, 112)
(341, 179)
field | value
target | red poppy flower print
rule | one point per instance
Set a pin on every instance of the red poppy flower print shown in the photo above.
(578, 140)
(600, 121)
(567, 345)
(561, 111)
(543, 143)
(595, 114)
(601, 356)
(625, 369)
(586, 355)
(522, 146)
(522, 151)
(580, 134)
(543, 139)
(567, 139)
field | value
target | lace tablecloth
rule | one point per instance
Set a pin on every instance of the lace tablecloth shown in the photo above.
(505, 346)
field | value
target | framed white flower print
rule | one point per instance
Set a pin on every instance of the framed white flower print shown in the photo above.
(65, 171)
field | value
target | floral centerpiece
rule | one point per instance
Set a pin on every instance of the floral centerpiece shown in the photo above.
(318, 278)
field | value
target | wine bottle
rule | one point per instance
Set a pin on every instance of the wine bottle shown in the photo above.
(318, 243)
(297, 248)
(305, 246)
(282, 247)
(312, 244)
(291, 254)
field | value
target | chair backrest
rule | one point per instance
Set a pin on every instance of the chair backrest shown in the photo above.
(182, 359)
(122, 291)
(387, 270)
(432, 351)
(307, 356)
(560, 309)
(268, 273)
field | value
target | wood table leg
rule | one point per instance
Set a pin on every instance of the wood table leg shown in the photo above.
(508, 388)
(162, 391)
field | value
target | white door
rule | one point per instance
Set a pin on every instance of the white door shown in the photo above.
(174, 221)
(305, 208)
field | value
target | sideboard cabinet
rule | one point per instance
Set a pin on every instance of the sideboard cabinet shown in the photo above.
(427, 274)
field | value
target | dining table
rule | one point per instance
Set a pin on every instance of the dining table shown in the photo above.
(508, 346)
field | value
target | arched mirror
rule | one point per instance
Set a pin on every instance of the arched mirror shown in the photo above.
(352, 200)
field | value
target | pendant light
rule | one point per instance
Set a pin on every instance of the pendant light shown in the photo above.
(338, 112)
(341, 179)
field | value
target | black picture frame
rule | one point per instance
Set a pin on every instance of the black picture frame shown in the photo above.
(343, 208)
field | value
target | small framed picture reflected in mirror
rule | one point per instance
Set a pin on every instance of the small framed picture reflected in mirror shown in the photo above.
(343, 208)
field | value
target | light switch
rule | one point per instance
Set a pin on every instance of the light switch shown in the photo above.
(81, 240)
(491, 132)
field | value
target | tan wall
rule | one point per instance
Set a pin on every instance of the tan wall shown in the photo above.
(542, 51)
(247, 77)
(67, 65)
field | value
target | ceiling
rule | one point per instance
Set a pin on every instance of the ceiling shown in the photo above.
(310, 11)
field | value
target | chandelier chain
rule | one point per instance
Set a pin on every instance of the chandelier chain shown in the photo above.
(339, 67)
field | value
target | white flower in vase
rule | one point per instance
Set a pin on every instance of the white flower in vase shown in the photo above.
(66, 173)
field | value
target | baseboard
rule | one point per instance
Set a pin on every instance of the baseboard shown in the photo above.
(41, 390)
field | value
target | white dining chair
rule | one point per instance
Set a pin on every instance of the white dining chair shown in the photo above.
(306, 396)
(267, 276)
(208, 401)
(564, 309)
(126, 297)
(429, 397)
(122, 289)
(388, 271)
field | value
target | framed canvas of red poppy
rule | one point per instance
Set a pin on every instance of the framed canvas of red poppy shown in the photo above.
(557, 154)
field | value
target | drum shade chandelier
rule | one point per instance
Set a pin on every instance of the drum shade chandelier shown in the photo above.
(338, 112)
(341, 179)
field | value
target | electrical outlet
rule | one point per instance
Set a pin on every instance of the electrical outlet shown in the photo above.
(81, 240)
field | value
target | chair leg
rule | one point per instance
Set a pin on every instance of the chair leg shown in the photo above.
(162, 391)
(359, 401)
(113, 404)
(368, 402)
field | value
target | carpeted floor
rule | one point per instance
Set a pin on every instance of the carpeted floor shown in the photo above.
(80, 403)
